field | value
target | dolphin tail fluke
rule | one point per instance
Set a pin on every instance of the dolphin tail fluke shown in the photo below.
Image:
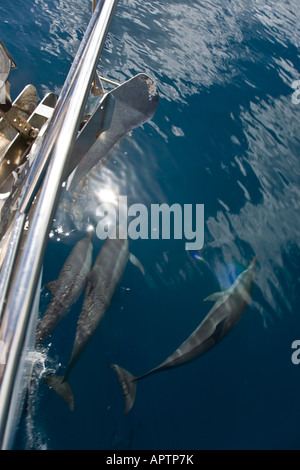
(128, 383)
(62, 388)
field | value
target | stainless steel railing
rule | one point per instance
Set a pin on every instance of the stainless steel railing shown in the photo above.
(18, 286)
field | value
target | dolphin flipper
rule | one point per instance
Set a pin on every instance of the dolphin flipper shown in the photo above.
(133, 259)
(216, 296)
(128, 383)
(62, 388)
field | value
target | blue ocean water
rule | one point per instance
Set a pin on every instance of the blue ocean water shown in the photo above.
(226, 135)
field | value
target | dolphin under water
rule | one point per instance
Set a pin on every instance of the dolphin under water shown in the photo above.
(227, 310)
(102, 283)
(67, 288)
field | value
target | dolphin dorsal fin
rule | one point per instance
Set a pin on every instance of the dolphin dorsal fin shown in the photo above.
(216, 296)
(52, 287)
(133, 259)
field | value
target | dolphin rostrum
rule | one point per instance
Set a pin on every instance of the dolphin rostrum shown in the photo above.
(227, 310)
(102, 283)
(67, 288)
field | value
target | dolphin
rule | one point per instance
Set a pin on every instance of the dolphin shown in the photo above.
(227, 310)
(67, 288)
(102, 283)
(135, 102)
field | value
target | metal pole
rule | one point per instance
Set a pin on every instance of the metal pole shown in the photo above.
(58, 145)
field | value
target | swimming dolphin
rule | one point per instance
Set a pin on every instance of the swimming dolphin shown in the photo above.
(67, 288)
(102, 283)
(135, 102)
(227, 310)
